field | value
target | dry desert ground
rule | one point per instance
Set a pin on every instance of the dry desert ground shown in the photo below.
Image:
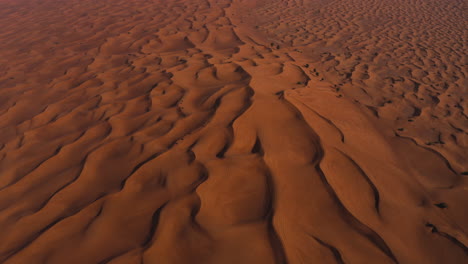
(233, 131)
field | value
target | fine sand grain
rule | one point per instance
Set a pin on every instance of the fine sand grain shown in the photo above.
(233, 131)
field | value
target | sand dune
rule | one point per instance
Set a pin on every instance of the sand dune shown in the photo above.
(233, 131)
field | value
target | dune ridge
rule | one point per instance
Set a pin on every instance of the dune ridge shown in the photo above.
(198, 131)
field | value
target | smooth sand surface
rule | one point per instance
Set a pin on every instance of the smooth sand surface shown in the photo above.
(233, 131)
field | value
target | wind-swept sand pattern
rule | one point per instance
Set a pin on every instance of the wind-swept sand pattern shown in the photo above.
(233, 131)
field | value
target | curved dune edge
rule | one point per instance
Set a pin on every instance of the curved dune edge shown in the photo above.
(180, 132)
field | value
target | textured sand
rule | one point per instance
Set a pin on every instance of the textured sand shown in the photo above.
(233, 131)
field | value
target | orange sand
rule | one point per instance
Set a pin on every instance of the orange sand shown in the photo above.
(233, 131)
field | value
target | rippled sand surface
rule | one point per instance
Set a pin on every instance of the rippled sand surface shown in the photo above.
(233, 131)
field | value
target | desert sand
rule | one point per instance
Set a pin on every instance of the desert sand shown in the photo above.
(233, 131)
